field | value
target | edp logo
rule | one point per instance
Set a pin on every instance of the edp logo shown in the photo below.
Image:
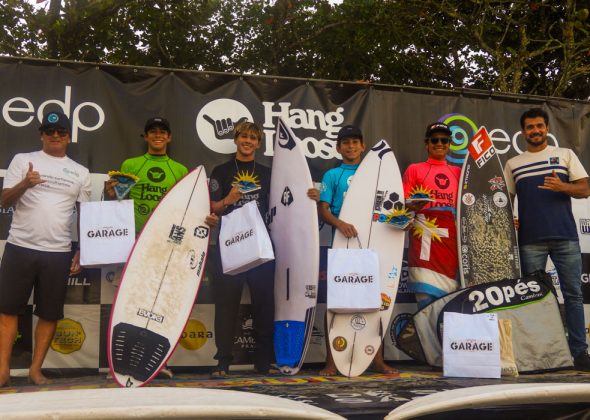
(20, 112)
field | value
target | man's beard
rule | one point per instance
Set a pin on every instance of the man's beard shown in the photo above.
(536, 140)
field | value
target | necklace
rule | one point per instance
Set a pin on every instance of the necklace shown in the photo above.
(238, 169)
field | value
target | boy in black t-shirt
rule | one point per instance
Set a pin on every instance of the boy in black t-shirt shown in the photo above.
(227, 290)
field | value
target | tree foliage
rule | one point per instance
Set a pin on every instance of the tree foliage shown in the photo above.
(539, 47)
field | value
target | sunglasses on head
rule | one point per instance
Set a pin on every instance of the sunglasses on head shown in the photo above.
(442, 140)
(51, 131)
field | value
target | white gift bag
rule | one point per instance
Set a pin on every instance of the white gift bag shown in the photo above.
(471, 345)
(353, 280)
(107, 232)
(243, 240)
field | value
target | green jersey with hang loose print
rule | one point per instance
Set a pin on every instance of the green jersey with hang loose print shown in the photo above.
(157, 174)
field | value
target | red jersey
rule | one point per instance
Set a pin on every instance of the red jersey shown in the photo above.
(436, 176)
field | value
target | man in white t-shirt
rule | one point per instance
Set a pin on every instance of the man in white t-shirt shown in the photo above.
(44, 187)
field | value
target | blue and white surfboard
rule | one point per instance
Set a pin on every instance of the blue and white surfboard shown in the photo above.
(295, 234)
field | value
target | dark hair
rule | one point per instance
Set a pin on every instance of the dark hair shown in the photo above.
(534, 113)
(349, 132)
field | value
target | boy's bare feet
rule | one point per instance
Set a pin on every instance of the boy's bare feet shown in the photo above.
(382, 367)
(38, 378)
(5, 379)
(329, 370)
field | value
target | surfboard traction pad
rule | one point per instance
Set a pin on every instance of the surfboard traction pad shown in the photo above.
(291, 339)
(137, 352)
(488, 246)
(491, 241)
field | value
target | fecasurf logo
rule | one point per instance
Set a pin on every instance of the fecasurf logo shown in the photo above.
(20, 112)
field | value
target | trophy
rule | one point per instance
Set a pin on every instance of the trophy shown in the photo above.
(125, 182)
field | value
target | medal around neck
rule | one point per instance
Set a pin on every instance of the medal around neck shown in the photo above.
(125, 181)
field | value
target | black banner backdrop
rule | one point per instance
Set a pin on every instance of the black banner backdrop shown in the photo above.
(108, 106)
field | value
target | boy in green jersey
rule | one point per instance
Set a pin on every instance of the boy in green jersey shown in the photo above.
(157, 173)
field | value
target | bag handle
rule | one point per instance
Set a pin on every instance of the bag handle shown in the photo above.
(359, 241)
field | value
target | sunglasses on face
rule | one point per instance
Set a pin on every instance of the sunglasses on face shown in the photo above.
(52, 131)
(442, 140)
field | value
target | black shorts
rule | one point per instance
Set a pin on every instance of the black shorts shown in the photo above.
(23, 269)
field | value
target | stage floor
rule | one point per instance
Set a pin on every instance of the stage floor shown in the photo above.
(370, 396)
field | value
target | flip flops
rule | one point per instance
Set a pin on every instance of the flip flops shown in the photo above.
(219, 372)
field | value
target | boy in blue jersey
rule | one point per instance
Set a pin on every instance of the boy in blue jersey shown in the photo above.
(335, 182)
(545, 178)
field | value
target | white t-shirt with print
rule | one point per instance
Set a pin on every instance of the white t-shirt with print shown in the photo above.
(42, 216)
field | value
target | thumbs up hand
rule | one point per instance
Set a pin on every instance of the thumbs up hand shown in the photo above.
(553, 182)
(32, 177)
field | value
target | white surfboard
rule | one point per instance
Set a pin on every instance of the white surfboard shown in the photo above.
(160, 283)
(155, 403)
(492, 396)
(295, 234)
(374, 193)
